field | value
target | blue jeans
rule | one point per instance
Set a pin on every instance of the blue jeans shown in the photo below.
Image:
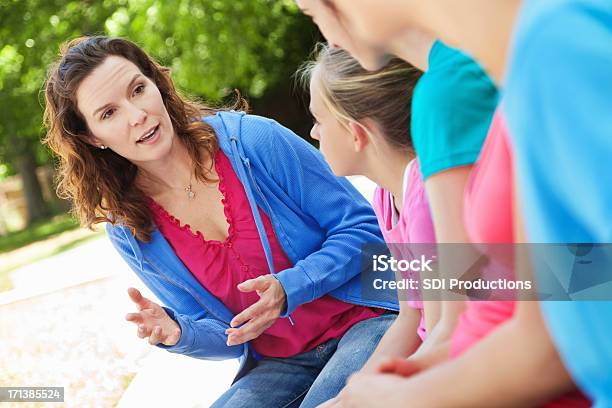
(311, 378)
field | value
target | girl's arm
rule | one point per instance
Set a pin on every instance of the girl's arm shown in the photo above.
(400, 340)
(445, 193)
(516, 365)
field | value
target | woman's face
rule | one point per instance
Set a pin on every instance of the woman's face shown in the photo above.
(335, 140)
(125, 112)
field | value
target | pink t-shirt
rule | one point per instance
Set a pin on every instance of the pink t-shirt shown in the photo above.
(488, 219)
(413, 224)
(221, 266)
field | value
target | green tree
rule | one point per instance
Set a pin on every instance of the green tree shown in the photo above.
(215, 46)
(212, 46)
(31, 31)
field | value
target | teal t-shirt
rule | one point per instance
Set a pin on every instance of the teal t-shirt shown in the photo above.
(452, 107)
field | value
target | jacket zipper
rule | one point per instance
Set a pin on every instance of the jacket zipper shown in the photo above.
(248, 165)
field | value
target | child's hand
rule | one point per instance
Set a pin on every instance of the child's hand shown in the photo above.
(438, 339)
(153, 321)
(399, 366)
(419, 361)
(371, 390)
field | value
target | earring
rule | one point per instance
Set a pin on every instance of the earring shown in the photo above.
(102, 147)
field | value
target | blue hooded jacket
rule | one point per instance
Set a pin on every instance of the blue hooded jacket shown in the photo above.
(320, 220)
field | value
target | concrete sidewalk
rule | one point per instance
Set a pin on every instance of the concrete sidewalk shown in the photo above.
(171, 380)
(88, 262)
(162, 379)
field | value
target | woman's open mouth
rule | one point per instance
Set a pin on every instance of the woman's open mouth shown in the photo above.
(150, 137)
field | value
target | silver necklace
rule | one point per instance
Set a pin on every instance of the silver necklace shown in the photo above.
(190, 193)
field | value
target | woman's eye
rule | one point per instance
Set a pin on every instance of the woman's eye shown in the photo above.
(107, 114)
(139, 89)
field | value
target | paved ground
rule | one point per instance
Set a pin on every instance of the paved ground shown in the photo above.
(63, 325)
(21, 256)
(169, 380)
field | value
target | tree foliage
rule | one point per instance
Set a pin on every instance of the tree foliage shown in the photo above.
(212, 47)
(215, 45)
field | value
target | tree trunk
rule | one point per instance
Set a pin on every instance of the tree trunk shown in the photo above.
(36, 206)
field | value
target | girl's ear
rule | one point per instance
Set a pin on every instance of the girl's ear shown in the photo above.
(360, 136)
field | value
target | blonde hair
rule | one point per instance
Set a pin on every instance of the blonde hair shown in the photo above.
(352, 93)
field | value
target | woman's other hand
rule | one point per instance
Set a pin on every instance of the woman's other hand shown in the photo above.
(153, 321)
(255, 319)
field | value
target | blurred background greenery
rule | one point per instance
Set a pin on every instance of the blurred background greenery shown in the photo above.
(212, 46)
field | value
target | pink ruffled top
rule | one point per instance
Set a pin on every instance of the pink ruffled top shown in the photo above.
(221, 265)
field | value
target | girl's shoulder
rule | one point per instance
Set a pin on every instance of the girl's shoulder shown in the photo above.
(415, 194)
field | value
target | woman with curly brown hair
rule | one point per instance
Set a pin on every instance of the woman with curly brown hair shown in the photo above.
(235, 223)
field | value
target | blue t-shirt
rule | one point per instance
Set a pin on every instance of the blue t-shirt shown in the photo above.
(452, 107)
(558, 102)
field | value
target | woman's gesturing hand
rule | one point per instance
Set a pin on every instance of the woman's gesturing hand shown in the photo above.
(259, 316)
(153, 321)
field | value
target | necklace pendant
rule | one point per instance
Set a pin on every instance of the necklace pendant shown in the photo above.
(190, 193)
